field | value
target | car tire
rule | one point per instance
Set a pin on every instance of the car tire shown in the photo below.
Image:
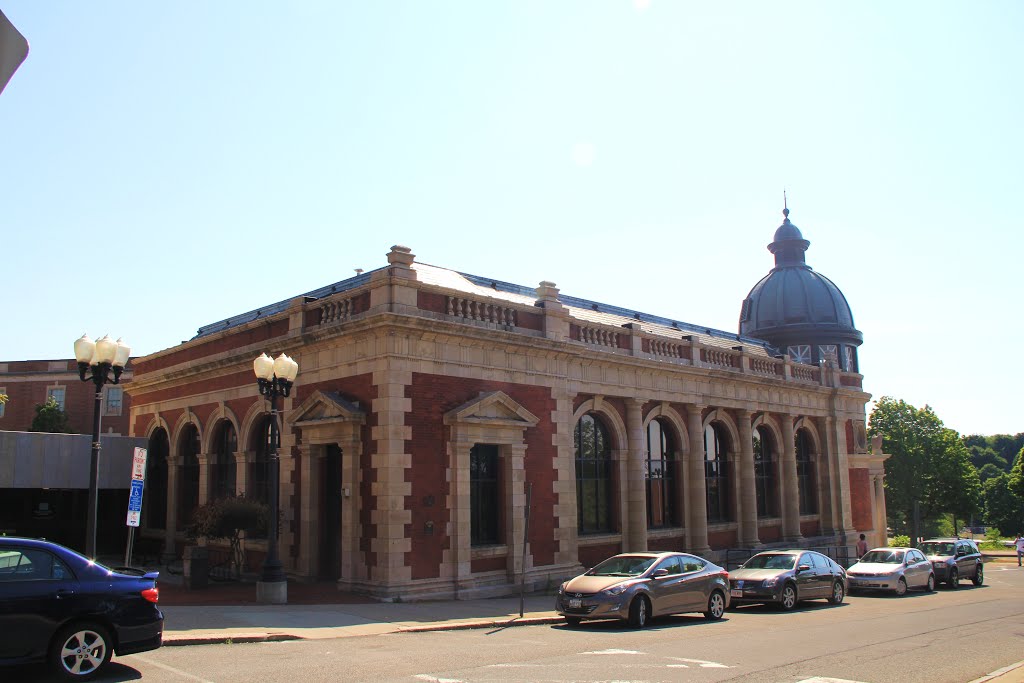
(979, 575)
(838, 593)
(930, 586)
(901, 586)
(572, 621)
(639, 612)
(716, 606)
(954, 579)
(788, 598)
(79, 651)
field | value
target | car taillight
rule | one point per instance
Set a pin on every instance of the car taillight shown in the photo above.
(152, 594)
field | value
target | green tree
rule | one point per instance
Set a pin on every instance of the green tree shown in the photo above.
(50, 418)
(989, 471)
(1003, 508)
(1016, 478)
(228, 518)
(930, 467)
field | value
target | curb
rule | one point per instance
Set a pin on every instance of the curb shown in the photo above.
(175, 641)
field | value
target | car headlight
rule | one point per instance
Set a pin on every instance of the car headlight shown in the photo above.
(768, 583)
(561, 589)
(617, 590)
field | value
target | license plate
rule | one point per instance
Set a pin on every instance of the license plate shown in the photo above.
(575, 603)
(736, 593)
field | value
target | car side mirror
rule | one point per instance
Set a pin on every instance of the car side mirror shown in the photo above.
(804, 568)
(659, 573)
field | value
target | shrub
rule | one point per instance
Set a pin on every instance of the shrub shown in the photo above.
(899, 542)
(227, 518)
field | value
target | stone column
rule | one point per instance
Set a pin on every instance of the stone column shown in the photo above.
(171, 527)
(747, 497)
(204, 478)
(242, 472)
(790, 488)
(514, 457)
(636, 490)
(308, 561)
(564, 465)
(390, 462)
(839, 482)
(697, 495)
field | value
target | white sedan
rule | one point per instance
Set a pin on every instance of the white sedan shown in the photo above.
(892, 569)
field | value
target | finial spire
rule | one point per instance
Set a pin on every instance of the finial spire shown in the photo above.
(785, 204)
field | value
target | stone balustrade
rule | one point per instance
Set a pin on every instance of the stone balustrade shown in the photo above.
(766, 366)
(598, 336)
(805, 373)
(337, 310)
(660, 347)
(721, 358)
(482, 311)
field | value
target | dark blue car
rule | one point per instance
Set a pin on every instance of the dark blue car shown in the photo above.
(61, 607)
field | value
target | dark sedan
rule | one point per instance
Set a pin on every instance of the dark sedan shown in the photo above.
(638, 586)
(60, 607)
(785, 577)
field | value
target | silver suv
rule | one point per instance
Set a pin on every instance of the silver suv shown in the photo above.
(954, 559)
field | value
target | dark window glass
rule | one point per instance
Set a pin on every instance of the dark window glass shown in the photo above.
(224, 471)
(188, 488)
(155, 507)
(716, 475)
(593, 476)
(484, 496)
(259, 470)
(672, 566)
(805, 476)
(662, 470)
(30, 564)
(764, 474)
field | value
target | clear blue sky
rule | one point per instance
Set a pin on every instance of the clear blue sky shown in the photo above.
(167, 165)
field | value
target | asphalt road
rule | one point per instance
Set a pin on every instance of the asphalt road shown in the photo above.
(954, 636)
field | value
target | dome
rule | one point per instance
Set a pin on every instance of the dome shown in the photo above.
(793, 304)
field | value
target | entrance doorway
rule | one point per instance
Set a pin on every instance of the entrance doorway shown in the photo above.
(330, 514)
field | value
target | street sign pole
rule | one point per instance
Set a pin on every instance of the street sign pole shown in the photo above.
(138, 487)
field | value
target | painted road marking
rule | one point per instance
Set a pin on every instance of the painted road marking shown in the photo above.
(166, 667)
(704, 664)
(820, 679)
(435, 679)
(612, 651)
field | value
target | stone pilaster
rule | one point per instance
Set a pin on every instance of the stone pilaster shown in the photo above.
(790, 487)
(242, 472)
(390, 462)
(308, 561)
(839, 482)
(556, 320)
(747, 497)
(697, 495)
(566, 513)
(204, 478)
(173, 482)
(635, 526)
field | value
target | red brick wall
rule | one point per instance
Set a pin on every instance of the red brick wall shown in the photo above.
(769, 534)
(591, 555)
(234, 380)
(811, 528)
(666, 544)
(261, 333)
(849, 437)
(860, 497)
(79, 398)
(432, 396)
(488, 564)
(722, 539)
(849, 381)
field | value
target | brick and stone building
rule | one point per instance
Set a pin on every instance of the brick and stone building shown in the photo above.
(431, 406)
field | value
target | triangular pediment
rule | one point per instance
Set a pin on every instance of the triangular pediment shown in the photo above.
(494, 407)
(325, 406)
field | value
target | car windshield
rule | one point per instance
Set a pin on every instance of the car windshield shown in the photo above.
(936, 548)
(770, 561)
(883, 556)
(623, 565)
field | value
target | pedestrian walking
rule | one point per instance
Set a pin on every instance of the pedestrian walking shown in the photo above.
(1019, 544)
(862, 547)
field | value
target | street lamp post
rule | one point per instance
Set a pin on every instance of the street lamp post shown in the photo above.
(275, 378)
(100, 357)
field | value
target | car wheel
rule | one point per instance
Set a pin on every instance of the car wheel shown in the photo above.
(837, 593)
(901, 586)
(954, 579)
(930, 586)
(573, 621)
(639, 612)
(716, 606)
(788, 598)
(979, 576)
(79, 651)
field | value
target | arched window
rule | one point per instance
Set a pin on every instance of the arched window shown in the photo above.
(593, 476)
(805, 476)
(155, 509)
(258, 483)
(716, 475)
(223, 472)
(188, 488)
(661, 476)
(764, 474)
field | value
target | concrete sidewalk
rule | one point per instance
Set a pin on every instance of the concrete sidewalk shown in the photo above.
(201, 624)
